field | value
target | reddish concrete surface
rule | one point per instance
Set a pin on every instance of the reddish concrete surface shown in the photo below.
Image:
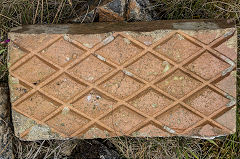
(165, 82)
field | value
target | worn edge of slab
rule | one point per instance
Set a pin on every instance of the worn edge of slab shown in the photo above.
(97, 28)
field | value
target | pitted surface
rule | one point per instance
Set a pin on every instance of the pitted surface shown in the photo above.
(114, 84)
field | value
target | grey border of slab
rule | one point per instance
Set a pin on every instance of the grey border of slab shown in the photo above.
(96, 28)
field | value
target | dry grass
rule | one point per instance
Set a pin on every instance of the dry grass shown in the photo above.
(43, 149)
(17, 12)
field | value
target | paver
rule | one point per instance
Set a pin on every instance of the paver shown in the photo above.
(162, 78)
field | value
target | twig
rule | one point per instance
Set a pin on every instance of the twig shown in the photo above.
(42, 13)
(85, 14)
(9, 18)
(35, 155)
(232, 6)
(5, 146)
(35, 16)
(96, 9)
(59, 8)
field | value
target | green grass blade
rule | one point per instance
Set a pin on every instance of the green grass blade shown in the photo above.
(212, 142)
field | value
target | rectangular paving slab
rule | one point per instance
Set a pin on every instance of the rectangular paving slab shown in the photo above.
(100, 80)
